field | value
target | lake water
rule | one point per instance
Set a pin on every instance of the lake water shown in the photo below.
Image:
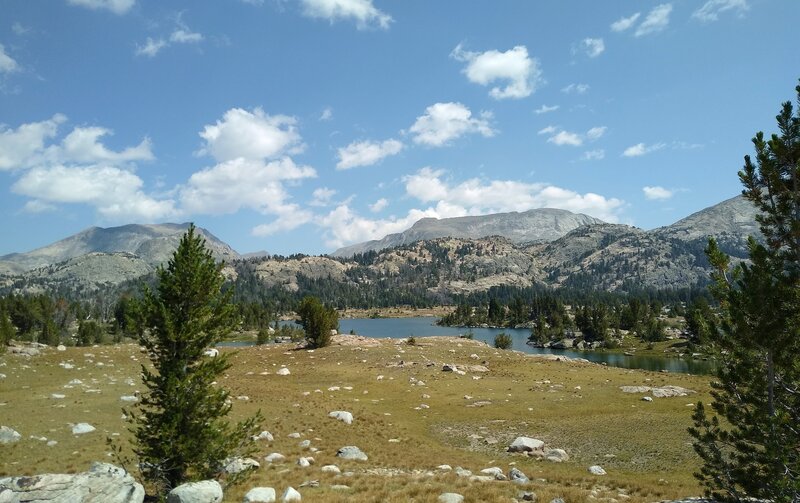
(402, 328)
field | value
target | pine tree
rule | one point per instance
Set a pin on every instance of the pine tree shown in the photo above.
(180, 429)
(318, 321)
(751, 447)
(6, 328)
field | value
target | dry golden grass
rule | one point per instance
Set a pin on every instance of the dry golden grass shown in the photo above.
(579, 407)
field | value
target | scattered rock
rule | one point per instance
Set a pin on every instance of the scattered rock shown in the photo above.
(341, 415)
(517, 476)
(647, 399)
(264, 435)
(527, 496)
(444, 468)
(556, 455)
(260, 495)
(275, 458)
(283, 371)
(340, 487)
(82, 428)
(129, 398)
(596, 470)
(294, 435)
(291, 494)
(212, 352)
(310, 483)
(61, 347)
(331, 469)
(462, 472)
(238, 465)
(526, 444)
(351, 452)
(449, 367)
(103, 483)
(495, 472)
(450, 498)
(303, 462)
(206, 491)
(8, 435)
(660, 392)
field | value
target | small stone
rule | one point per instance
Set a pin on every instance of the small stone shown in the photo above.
(351, 452)
(129, 398)
(517, 476)
(260, 495)
(526, 444)
(342, 415)
(291, 494)
(556, 455)
(303, 463)
(444, 468)
(647, 399)
(82, 428)
(8, 435)
(596, 470)
(275, 458)
(293, 435)
(527, 496)
(450, 498)
(238, 465)
(331, 469)
(495, 472)
(264, 435)
(283, 371)
(462, 472)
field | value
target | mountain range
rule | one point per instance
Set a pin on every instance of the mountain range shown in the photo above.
(546, 247)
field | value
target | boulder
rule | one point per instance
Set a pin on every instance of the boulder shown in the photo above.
(8, 435)
(526, 444)
(331, 469)
(260, 495)
(343, 416)
(517, 476)
(450, 498)
(82, 428)
(463, 472)
(291, 494)
(351, 452)
(596, 470)
(495, 472)
(275, 458)
(303, 462)
(103, 483)
(264, 435)
(283, 371)
(212, 352)
(238, 465)
(556, 455)
(206, 491)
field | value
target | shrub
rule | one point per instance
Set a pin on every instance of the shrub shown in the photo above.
(503, 341)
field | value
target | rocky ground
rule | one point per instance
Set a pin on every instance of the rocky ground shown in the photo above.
(379, 420)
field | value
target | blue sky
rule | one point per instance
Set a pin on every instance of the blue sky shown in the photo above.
(302, 126)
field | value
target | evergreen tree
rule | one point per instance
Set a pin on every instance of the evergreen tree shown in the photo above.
(6, 328)
(318, 321)
(180, 429)
(751, 447)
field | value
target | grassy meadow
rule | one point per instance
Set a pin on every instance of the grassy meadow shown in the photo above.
(407, 428)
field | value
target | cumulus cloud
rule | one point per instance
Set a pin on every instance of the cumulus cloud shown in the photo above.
(641, 149)
(118, 7)
(185, 36)
(657, 193)
(151, 47)
(593, 155)
(19, 146)
(251, 135)
(322, 196)
(363, 12)
(366, 153)
(36, 206)
(521, 72)
(379, 205)
(7, 63)
(575, 89)
(592, 47)
(471, 197)
(711, 10)
(561, 137)
(624, 23)
(445, 122)
(656, 20)
(116, 193)
(546, 109)
(82, 145)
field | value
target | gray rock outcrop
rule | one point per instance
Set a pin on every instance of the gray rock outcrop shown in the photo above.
(103, 483)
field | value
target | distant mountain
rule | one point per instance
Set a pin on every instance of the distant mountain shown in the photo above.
(99, 257)
(537, 225)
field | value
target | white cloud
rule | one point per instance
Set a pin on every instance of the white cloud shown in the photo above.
(561, 137)
(366, 153)
(37, 206)
(116, 193)
(82, 145)
(641, 149)
(289, 217)
(514, 66)
(118, 7)
(444, 122)
(185, 36)
(566, 138)
(546, 109)
(711, 10)
(379, 205)
(596, 132)
(251, 135)
(471, 197)
(322, 196)
(19, 146)
(362, 12)
(624, 23)
(575, 88)
(326, 114)
(151, 47)
(20, 29)
(593, 47)
(657, 193)
(657, 20)
(593, 155)
(7, 63)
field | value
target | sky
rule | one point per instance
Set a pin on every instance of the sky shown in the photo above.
(300, 126)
